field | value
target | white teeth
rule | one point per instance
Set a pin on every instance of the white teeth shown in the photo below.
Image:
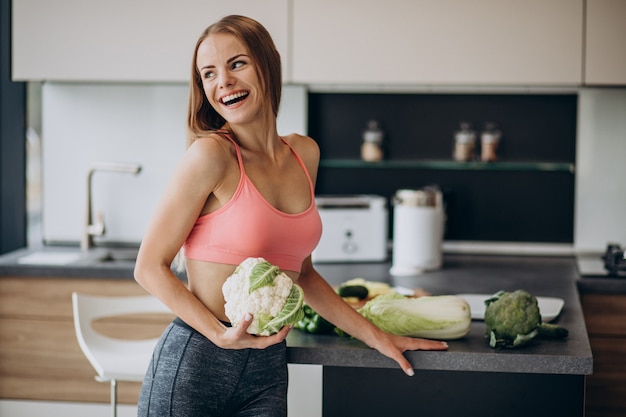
(234, 96)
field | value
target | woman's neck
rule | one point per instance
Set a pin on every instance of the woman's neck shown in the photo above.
(257, 136)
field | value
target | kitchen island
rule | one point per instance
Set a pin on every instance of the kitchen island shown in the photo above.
(546, 377)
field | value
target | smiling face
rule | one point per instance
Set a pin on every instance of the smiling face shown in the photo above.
(243, 49)
(229, 78)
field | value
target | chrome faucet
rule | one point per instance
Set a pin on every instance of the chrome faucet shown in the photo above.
(98, 228)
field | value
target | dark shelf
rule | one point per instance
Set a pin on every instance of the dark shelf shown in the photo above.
(525, 196)
(450, 165)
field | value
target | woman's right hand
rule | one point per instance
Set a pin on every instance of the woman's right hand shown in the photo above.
(238, 338)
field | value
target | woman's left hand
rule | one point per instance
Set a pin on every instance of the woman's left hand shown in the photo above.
(238, 338)
(393, 347)
(325, 301)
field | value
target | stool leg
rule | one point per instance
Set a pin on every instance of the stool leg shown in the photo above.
(114, 398)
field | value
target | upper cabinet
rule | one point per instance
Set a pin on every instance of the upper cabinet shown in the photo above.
(438, 42)
(330, 42)
(120, 40)
(605, 53)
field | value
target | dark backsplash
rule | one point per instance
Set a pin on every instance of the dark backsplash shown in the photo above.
(481, 205)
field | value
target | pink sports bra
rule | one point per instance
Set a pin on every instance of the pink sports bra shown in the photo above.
(249, 226)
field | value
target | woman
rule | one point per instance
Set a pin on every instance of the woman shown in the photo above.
(240, 190)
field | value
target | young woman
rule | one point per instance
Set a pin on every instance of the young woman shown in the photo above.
(241, 190)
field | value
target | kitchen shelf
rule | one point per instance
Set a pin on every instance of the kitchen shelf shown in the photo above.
(451, 165)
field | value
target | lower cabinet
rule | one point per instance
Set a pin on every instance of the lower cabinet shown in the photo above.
(606, 387)
(39, 355)
(40, 359)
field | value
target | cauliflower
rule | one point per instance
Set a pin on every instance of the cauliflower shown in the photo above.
(513, 319)
(261, 289)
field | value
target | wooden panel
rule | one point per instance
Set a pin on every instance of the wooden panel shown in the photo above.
(40, 358)
(604, 314)
(52, 297)
(133, 326)
(606, 387)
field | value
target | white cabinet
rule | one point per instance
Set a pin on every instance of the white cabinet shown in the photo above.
(605, 54)
(304, 395)
(453, 42)
(121, 40)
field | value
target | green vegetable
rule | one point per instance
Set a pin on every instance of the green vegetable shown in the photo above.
(374, 288)
(261, 275)
(442, 317)
(358, 291)
(513, 319)
(290, 313)
(314, 323)
(261, 289)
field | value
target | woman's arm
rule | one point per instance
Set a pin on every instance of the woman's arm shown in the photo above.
(325, 301)
(199, 174)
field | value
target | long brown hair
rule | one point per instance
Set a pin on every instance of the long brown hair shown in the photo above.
(201, 116)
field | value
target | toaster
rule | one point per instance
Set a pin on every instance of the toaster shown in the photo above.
(354, 228)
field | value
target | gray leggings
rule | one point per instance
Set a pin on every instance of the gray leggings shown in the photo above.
(190, 376)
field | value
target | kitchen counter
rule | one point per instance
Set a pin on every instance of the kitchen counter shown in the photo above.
(598, 285)
(123, 268)
(542, 276)
(594, 278)
(545, 378)
(548, 277)
(551, 372)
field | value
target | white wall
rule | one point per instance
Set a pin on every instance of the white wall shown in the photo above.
(138, 123)
(600, 210)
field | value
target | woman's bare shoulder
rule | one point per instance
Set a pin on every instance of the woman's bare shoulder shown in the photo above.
(305, 146)
(212, 143)
(213, 149)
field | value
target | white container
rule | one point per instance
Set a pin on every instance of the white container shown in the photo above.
(418, 227)
(354, 228)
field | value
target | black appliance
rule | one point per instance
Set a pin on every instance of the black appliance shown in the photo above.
(611, 264)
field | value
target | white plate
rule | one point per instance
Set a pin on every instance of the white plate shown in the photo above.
(549, 307)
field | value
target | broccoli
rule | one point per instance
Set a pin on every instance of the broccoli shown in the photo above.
(513, 319)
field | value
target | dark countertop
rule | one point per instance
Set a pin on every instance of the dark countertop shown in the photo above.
(599, 285)
(482, 274)
(542, 276)
(123, 269)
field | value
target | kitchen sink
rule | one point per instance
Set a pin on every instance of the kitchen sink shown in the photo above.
(105, 255)
(119, 255)
(70, 256)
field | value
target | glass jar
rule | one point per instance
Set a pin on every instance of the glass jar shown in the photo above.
(464, 143)
(489, 141)
(371, 148)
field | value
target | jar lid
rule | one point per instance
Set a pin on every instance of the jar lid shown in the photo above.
(426, 197)
(465, 137)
